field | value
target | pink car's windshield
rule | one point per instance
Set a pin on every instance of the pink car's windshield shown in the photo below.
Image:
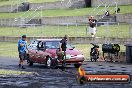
(54, 45)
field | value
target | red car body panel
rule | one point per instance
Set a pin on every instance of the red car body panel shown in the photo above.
(39, 56)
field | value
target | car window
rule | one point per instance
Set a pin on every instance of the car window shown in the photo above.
(33, 45)
(40, 45)
(52, 44)
(47, 45)
(55, 45)
(69, 46)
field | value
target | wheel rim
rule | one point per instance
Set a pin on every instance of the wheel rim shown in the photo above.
(49, 62)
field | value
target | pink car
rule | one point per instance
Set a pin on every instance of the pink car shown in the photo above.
(44, 51)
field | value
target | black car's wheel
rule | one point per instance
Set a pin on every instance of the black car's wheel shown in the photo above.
(92, 59)
(95, 59)
(49, 62)
(77, 65)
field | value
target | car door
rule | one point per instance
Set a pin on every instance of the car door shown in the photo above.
(32, 48)
(40, 53)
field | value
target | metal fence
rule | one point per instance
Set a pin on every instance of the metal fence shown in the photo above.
(104, 29)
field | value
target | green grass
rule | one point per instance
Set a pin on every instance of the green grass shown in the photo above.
(44, 31)
(120, 31)
(64, 12)
(84, 48)
(13, 2)
(117, 31)
(40, 1)
(13, 72)
(9, 49)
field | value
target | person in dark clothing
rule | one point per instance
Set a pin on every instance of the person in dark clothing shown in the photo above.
(118, 10)
(63, 43)
(22, 49)
(63, 47)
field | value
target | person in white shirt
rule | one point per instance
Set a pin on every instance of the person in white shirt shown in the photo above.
(92, 26)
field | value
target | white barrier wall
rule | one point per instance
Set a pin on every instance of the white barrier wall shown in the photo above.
(61, 20)
(58, 4)
(124, 18)
(73, 40)
(112, 2)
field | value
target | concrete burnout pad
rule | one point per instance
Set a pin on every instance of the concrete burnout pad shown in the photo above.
(8, 61)
(107, 67)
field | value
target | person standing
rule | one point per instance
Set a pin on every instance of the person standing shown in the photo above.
(92, 26)
(22, 49)
(107, 13)
(63, 46)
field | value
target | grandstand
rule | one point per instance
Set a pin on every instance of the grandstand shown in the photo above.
(64, 13)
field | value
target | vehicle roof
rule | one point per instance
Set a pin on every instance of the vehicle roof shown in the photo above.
(48, 39)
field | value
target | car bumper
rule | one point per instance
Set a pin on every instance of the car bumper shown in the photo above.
(74, 60)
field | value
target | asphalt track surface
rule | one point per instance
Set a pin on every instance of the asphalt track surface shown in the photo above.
(48, 78)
